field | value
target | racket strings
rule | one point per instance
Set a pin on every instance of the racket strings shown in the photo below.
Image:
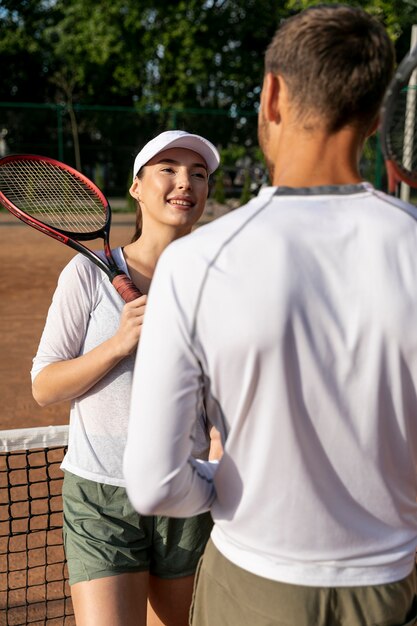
(403, 131)
(53, 195)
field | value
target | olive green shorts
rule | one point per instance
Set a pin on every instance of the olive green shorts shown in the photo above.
(105, 536)
(225, 594)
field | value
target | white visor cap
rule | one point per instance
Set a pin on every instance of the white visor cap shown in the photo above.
(178, 139)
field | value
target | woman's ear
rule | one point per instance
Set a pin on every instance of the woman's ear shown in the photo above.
(134, 189)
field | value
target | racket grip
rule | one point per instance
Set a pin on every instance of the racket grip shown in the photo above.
(125, 288)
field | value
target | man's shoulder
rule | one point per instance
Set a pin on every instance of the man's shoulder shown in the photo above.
(394, 202)
(220, 230)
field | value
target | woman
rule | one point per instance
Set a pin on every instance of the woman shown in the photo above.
(118, 560)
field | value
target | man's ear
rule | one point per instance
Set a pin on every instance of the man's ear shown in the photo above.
(270, 97)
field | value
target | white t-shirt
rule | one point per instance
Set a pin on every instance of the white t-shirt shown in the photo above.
(295, 317)
(85, 311)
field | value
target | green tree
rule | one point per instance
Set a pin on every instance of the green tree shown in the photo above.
(167, 58)
(184, 54)
(397, 15)
(219, 192)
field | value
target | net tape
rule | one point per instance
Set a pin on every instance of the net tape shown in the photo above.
(33, 575)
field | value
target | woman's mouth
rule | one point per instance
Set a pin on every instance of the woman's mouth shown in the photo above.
(181, 203)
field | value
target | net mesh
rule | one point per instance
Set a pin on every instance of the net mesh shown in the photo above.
(53, 195)
(33, 576)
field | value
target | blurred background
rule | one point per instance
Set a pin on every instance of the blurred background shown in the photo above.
(90, 81)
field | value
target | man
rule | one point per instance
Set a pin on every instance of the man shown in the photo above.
(293, 320)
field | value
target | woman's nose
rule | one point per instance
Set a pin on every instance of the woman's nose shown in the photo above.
(184, 180)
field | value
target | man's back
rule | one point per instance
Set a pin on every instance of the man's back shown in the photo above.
(310, 366)
(292, 320)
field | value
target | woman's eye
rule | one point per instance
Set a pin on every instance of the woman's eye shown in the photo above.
(168, 169)
(200, 175)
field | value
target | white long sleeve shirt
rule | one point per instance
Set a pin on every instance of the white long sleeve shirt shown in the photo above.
(294, 319)
(85, 312)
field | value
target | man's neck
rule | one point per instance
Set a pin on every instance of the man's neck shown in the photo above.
(313, 159)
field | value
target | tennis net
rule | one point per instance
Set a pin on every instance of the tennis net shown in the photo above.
(33, 575)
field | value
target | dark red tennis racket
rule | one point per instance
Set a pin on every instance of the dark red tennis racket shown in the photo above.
(64, 204)
(399, 125)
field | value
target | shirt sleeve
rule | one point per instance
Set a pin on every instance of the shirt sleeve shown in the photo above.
(68, 316)
(162, 477)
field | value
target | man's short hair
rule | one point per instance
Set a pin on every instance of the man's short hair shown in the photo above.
(336, 61)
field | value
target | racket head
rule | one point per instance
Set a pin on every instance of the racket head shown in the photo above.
(398, 127)
(48, 194)
(64, 204)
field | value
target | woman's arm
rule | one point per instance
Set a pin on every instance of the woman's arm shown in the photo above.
(69, 379)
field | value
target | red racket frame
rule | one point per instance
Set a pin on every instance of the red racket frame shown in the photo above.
(122, 283)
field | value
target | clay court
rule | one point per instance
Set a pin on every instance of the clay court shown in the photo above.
(32, 559)
(31, 264)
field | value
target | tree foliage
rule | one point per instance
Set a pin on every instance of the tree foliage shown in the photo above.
(398, 16)
(168, 58)
(184, 53)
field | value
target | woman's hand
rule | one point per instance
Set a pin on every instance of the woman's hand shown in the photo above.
(66, 380)
(127, 337)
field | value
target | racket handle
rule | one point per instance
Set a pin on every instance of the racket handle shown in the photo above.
(125, 288)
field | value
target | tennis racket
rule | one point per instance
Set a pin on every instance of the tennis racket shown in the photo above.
(398, 130)
(64, 204)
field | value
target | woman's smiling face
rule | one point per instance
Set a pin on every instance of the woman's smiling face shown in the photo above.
(172, 189)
